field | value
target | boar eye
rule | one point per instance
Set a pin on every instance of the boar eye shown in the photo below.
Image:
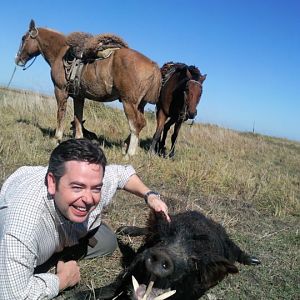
(165, 265)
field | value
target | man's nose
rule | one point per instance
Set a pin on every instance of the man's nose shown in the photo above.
(88, 197)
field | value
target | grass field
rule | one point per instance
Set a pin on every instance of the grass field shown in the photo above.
(248, 182)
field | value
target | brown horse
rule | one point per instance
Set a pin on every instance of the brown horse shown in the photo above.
(179, 97)
(126, 75)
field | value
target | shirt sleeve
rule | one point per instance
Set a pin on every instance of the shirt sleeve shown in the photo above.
(17, 278)
(124, 173)
(115, 177)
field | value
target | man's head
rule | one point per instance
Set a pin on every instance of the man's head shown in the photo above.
(74, 177)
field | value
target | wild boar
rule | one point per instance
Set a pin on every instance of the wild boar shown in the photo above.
(190, 254)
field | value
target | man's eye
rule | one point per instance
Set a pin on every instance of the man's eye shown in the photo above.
(97, 190)
(77, 188)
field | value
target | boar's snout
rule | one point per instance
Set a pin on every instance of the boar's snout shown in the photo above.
(159, 263)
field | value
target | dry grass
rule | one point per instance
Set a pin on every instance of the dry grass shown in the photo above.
(249, 183)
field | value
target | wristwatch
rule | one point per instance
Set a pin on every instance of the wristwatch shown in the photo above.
(150, 193)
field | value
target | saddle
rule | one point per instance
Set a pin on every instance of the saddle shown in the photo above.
(86, 48)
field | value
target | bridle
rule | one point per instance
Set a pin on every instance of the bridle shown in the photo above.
(184, 112)
(32, 34)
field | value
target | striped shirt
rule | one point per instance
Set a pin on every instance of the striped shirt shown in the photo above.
(32, 230)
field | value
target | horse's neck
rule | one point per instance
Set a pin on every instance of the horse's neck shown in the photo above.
(180, 81)
(51, 44)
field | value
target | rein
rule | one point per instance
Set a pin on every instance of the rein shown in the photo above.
(25, 68)
(11, 77)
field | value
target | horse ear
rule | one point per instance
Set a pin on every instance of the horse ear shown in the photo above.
(203, 77)
(33, 32)
(31, 25)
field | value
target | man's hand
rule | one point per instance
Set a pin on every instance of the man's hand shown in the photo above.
(68, 274)
(158, 205)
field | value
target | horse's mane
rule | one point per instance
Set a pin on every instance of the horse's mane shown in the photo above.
(169, 68)
(50, 29)
(195, 72)
(89, 45)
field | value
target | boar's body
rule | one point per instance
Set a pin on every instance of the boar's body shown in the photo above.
(190, 254)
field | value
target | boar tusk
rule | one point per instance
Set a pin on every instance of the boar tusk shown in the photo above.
(165, 295)
(148, 291)
(135, 283)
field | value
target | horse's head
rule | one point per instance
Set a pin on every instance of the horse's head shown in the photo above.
(192, 95)
(29, 47)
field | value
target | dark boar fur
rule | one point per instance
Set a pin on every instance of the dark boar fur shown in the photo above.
(190, 255)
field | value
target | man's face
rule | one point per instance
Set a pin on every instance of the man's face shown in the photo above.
(78, 191)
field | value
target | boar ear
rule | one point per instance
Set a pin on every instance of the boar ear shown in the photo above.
(155, 217)
(215, 270)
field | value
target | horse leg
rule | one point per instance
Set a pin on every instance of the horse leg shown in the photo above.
(174, 138)
(126, 142)
(160, 121)
(61, 99)
(162, 148)
(78, 115)
(137, 122)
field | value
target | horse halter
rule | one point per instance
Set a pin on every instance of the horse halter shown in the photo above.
(32, 34)
(184, 113)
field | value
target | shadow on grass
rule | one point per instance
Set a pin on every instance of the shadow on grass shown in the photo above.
(45, 131)
(102, 140)
(145, 144)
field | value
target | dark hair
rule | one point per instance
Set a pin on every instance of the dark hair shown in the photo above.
(74, 149)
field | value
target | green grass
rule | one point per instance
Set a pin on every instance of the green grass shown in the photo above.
(247, 182)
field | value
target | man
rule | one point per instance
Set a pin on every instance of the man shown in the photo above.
(46, 213)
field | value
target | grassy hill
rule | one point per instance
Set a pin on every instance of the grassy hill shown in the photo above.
(248, 182)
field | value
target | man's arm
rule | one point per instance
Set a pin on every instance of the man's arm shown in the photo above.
(17, 278)
(135, 186)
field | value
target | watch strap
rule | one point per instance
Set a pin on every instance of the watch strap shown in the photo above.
(150, 193)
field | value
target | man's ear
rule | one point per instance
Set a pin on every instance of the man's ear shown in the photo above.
(51, 183)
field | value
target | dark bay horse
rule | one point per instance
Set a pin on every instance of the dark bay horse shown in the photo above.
(126, 75)
(180, 94)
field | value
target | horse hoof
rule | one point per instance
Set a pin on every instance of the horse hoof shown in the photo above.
(172, 155)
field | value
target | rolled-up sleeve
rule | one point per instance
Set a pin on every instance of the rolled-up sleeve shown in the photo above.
(17, 280)
(115, 177)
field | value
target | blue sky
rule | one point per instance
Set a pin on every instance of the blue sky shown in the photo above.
(250, 51)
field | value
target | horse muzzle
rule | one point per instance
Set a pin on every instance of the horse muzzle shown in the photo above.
(19, 62)
(192, 115)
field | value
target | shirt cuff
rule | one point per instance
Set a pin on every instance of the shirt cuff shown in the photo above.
(51, 282)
